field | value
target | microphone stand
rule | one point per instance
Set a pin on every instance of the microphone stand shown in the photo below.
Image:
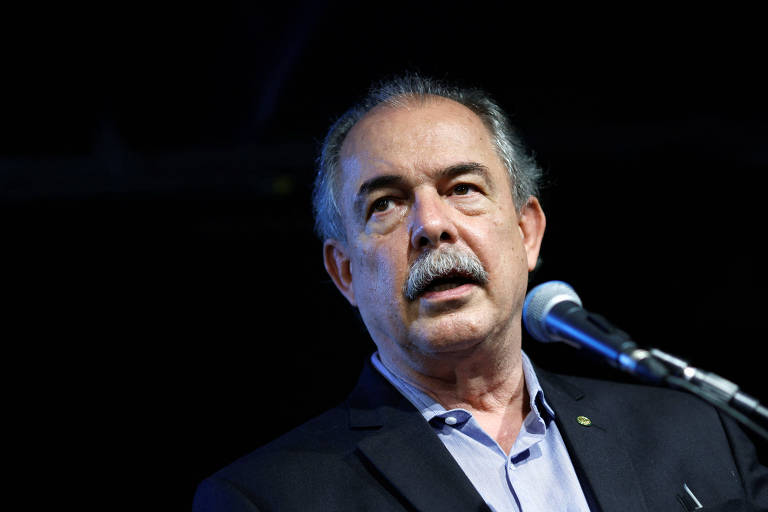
(553, 312)
(715, 390)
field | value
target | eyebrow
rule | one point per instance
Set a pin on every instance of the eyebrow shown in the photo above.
(393, 180)
(465, 168)
(379, 182)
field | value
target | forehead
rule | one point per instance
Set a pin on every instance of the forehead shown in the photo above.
(415, 140)
(417, 135)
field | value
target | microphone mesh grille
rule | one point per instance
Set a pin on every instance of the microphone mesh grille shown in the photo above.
(540, 300)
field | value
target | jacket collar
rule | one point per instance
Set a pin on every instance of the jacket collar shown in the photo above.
(403, 448)
(405, 451)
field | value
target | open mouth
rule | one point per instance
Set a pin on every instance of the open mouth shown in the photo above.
(448, 282)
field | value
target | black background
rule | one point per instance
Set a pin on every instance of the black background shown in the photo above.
(165, 299)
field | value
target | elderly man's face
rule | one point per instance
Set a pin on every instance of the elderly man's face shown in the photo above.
(425, 178)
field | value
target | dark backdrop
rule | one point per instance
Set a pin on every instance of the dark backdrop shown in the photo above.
(166, 302)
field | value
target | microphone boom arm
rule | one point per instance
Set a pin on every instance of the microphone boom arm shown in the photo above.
(714, 389)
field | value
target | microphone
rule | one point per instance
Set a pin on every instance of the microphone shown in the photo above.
(553, 312)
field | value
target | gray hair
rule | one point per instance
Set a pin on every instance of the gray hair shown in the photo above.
(524, 173)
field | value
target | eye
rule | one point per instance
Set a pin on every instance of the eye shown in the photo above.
(462, 189)
(381, 205)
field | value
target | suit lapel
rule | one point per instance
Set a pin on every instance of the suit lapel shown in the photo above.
(405, 451)
(598, 455)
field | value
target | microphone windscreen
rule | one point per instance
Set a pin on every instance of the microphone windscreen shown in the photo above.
(538, 303)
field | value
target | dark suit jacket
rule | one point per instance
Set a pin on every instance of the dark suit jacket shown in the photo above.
(376, 452)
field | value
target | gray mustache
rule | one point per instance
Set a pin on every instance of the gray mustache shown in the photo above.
(445, 262)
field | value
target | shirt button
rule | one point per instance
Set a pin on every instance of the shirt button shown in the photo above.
(450, 420)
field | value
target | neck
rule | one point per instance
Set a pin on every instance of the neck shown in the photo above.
(491, 387)
(480, 379)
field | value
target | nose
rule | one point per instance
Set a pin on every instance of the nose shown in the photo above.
(432, 222)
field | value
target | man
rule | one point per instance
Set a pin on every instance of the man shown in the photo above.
(426, 202)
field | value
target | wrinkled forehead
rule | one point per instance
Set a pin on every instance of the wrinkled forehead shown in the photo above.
(412, 123)
(416, 136)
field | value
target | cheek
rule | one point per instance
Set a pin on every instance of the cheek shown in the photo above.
(503, 253)
(376, 274)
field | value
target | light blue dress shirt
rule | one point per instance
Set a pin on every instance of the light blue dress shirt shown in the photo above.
(537, 475)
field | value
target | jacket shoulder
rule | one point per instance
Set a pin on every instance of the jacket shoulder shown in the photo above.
(318, 446)
(327, 433)
(625, 397)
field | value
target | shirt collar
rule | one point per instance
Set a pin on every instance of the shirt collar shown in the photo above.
(429, 408)
(535, 392)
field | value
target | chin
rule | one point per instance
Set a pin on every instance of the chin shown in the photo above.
(451, 333)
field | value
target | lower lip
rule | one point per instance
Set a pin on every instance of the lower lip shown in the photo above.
(449, 294)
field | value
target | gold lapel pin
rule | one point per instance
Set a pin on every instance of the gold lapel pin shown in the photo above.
(584, 421)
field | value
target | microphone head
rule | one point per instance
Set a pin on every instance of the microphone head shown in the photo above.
(539, 301)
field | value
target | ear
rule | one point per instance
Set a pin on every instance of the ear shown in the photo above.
(337, 265)
(532, 223)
